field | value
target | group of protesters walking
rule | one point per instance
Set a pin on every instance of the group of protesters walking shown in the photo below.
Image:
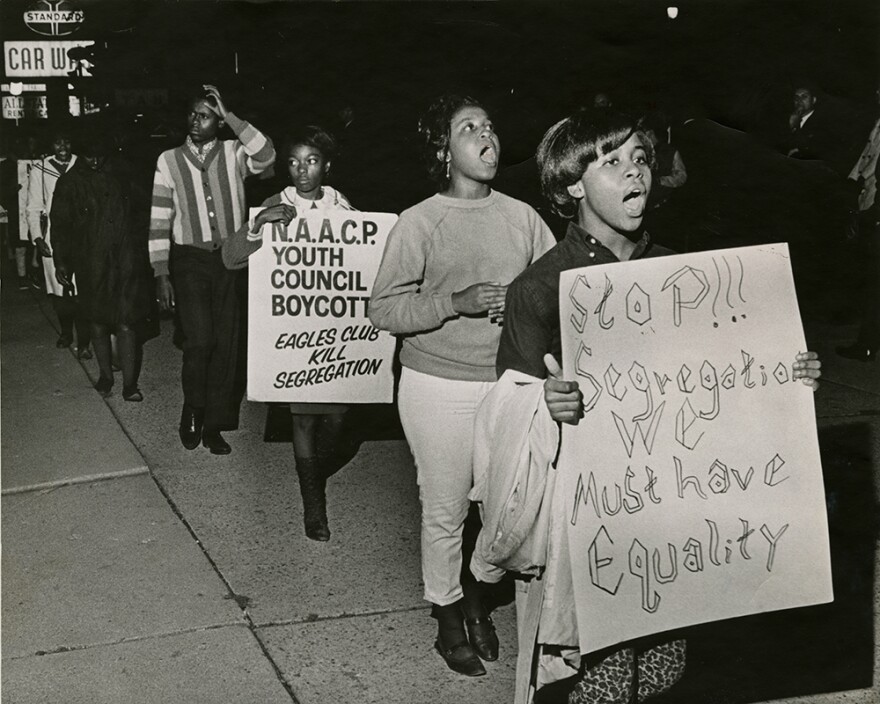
(468, 282)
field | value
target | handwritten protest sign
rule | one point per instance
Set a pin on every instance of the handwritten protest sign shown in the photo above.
(692, 488)
(309, 337)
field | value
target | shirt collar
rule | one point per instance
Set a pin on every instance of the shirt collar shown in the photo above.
(201, 153)
(806, 117)
(579, 234)
(291, 195)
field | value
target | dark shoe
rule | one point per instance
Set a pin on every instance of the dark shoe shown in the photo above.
(85, 353)
(190, 430)
(859, 352)
(482, 637)
(461, 658)
(312, 488)
(213, 440)
(63, 341)
(134, 394)
(104, 386)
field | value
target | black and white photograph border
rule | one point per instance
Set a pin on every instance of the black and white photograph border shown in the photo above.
(135, 570)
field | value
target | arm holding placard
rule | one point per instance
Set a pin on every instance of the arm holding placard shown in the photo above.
(248, 239)
(565, 401)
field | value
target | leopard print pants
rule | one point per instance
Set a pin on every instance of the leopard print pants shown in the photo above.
(631, 675)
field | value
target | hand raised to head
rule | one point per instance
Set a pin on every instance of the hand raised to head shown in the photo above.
(212, 92)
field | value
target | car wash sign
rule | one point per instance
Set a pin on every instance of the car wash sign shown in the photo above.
(30, 59)
(56, 18)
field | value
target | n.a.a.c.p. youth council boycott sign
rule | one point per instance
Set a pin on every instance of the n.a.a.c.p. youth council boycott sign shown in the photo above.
(309, 337)
(692, 488)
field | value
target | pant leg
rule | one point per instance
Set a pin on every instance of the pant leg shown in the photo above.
(438, 419)
(606, 679)
(659, 667)
(221, 408)
(191, 277)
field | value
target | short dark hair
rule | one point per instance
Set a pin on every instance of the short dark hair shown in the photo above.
(572, 144)
(61, 132)
(312, 136)
(197, 96)
(435, 127)
(808, 84)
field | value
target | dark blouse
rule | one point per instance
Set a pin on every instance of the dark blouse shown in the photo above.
(531, 310)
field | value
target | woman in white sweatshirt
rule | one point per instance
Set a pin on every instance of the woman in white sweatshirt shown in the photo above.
(441, 288)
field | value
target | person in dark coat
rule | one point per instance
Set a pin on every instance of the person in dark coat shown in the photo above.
(101, 225)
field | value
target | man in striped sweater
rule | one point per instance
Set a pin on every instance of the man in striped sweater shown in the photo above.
(199, 201)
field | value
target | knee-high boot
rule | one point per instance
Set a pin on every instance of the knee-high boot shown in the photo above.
(312, 484)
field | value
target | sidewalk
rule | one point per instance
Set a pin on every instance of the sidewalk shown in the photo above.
(135, 571)
(192, 581)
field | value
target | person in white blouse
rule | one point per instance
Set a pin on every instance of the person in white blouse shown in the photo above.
(41, 186)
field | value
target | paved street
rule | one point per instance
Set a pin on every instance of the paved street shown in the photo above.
(135, 571)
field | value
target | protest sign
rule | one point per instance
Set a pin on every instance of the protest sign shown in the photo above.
(692, 488)
(309, 337)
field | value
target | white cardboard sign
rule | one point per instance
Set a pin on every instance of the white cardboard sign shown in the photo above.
(309, 337)
(692, 489)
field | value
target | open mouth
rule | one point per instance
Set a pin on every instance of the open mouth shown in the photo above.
(634, 202)
(488, 155)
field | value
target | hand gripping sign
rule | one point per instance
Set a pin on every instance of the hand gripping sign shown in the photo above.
(309, 337)
(691, 491)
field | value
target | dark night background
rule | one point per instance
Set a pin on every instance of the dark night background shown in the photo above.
(726, 67)
(727, 60)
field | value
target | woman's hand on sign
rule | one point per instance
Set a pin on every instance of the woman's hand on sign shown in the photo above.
(807, 368)
(479, 298)
(277, 213)
(563, 398)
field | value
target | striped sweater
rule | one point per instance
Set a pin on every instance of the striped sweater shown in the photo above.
(201, 204)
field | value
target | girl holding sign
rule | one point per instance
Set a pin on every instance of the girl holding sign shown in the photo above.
(309, 153)
(441, 287)
(596, 168)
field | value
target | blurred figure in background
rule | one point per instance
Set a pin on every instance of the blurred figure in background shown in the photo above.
(27, 259)
(100, 223)
(43, 177)
(864, 174)
(670, 172)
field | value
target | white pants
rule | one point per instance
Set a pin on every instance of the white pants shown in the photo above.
(437, 416)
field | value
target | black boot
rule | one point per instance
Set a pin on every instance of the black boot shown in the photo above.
(452, 643)
(480, 629)
(336, 446)
(312, 486)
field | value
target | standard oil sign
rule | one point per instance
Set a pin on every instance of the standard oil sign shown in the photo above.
(53, 18)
